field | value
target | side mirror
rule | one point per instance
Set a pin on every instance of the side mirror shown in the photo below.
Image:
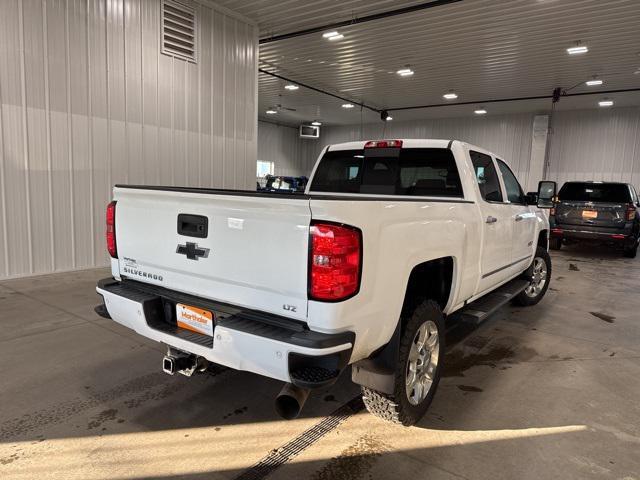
(531, 198)
(546, 194)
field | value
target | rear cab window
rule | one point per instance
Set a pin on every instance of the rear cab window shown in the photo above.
(595, 192)
(429, 172)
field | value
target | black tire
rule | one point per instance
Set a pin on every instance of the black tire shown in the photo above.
(555, 243)
(398, 408)
(532, 296)
(631, 252)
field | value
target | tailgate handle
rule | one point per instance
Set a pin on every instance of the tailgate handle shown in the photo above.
(193, 225)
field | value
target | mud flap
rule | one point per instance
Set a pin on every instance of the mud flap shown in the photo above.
(378, 371)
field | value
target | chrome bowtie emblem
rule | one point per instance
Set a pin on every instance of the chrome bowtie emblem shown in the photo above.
(192, 251)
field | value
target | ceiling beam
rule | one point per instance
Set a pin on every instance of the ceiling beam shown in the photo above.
(512, 99)
(357, 21)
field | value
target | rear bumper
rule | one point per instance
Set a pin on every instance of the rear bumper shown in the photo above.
(265, 344)
(594, 234)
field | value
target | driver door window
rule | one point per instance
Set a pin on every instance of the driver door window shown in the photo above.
(511, 185)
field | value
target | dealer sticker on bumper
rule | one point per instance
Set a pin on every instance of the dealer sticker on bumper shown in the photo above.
(194, 319)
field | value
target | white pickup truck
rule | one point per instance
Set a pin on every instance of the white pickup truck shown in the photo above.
(391, 239)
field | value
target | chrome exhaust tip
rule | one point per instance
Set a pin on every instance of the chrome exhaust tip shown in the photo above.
(290, 401)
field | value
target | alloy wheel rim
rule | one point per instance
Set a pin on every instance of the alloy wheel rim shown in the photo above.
(538, 278)
(422, 362)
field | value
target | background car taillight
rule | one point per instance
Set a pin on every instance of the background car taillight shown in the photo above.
(631, 212)
(111, 230)
(335, 261)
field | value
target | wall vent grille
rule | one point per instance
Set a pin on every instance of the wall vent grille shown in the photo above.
(178, 30)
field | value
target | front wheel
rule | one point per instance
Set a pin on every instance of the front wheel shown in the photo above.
(418, 369)
(539, 275)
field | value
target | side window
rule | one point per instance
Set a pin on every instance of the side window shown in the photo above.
(486, 176)
(514, 192)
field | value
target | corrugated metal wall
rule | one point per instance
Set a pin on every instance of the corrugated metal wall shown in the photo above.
(87, 100)
(506, 135)
(601, 144)
(280, 144)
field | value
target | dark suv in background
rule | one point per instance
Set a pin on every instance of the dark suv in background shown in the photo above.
(598, 212)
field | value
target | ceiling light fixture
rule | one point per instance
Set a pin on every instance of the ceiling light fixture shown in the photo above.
(450, 95)
(271, 111)
(480, 111)
(347, 105)
(291, 87)
(316, 123)
(578, 49)
(334, 35)
(594, 82)
(405, 72)
(605, 103)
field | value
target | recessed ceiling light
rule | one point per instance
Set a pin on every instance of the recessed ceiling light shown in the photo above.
(271, 111)
(389, 118)
(291, 86)
(605, 103)
(594, 82)
(405, 72)
(578, 49)
(347, 105)
(480, 111)
(450, 95)
(316, 123)
(333, 35)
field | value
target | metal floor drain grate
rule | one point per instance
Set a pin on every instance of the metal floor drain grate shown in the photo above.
(279, 456)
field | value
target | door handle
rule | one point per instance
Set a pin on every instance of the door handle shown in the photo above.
(491, 219)
(519, 218)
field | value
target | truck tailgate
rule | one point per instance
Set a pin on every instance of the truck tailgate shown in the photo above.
(255, 254)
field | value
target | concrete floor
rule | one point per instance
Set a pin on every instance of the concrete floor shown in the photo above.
(549, 391)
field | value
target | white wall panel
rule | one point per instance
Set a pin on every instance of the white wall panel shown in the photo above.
(601, 144)
(87, 100)
(282, 145)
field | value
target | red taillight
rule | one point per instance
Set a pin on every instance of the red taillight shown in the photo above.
(335, 261)
(631, 212)
(557, 231)
(111, 230)
(383, 144)
(618, 236)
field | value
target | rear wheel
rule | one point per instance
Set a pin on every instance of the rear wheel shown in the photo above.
(539, 275)
(417, 371)
(555, 243)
